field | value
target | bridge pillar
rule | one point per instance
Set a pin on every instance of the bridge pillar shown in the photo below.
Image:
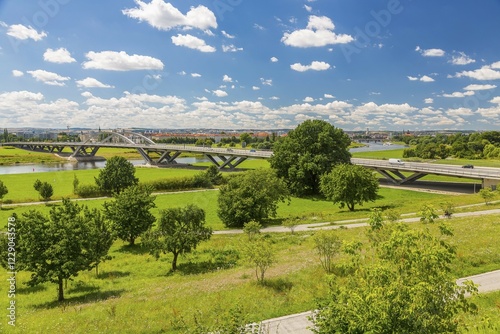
(489, 183)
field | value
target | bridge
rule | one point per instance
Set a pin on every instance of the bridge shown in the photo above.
(228, 158)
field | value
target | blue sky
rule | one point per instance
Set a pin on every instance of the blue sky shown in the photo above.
(233, 64)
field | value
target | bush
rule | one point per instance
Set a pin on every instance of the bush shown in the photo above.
(88, 191)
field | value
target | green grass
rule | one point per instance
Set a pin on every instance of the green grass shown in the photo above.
(136, 294)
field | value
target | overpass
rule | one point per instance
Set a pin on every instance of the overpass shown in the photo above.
(164, 155)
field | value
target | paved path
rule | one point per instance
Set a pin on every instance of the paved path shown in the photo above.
(299, 323)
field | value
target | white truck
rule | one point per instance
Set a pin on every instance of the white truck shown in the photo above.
(396, 162)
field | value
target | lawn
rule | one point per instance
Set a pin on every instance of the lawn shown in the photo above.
(136, 294)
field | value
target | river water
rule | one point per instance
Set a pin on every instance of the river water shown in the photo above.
(52, 167)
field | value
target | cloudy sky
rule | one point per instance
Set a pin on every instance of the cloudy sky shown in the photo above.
(383, 65)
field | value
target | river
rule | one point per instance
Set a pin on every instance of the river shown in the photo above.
(53, 167)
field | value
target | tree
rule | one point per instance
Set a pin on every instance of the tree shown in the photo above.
(253, 195)
(349, 185)
(179, 231)
(54, 248)
(307, 152)
(428, 214)
(406, 287)
(130, 212)
(44, 189)
(487, 194)
(100, 238)
(448, 209)
(214, 175)
(260, 254)
(117, 175)
(251, 229)
(327, 245)
(3, 191)
(291, 223)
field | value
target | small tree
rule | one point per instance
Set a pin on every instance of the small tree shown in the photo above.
(76, 183)
(393, 215)
(3, 191)
(44, 189)
(100, 238)
(487, 194)
(448, 209)
(253, 195)
(179, 231)
(260, 254)
(214, 175)
(290, 223)
(117, 175)
(349, 185)
(407, 288)
(54, 248)
(130, 212)
(252, 229)
(327, 245)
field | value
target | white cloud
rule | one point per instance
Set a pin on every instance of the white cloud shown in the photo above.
(308, 99)
(480, 87)
(423, 78)
(164, 16)
(231, 48)
(315, 65)
(120, 61)
(266, 82)
(182, 73)
(92, 83)
(308, 8)
(461, 59)
(22, 32)
(275, 98)
(48, 78)
(319, 32)
(274, 59)
(487, 72)
(227, 78)
(329, 96)
(496, 100)
(17, 73)
(195, 75)
(258, 27)
(59, 56)
(430, 52)
(426, 78)
(459, 94)
(219, 93)
(225, 34)
(255, 88)
(192, 42)
(429, 100)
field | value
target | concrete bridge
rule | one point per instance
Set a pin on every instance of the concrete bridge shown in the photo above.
(228, 158)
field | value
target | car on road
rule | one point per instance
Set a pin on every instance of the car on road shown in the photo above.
(468, 166)
(252, 150)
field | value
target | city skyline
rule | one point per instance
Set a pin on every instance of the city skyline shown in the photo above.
(236, 64)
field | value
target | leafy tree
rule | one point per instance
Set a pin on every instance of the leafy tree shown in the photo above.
(251, 229)
(179, 231)
(54, 248)
(130, 212)
(428, 214)
(245, 137)
(259, 253)
(487, 194)
(393, 215)
(291, 223)
(448, 209)
(45, 189)
(214, 175)
(307, 152)
(76, 183)
(253, 195)
(3, 191)
(327, 245)
(350, 185)
(117, 175)
(406, 287)
(100, 238)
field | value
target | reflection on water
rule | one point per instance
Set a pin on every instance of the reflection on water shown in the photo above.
(37, 168)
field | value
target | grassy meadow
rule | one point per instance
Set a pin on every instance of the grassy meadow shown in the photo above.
(134, 293)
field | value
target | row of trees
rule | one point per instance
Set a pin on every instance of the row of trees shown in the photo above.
(470, 146)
